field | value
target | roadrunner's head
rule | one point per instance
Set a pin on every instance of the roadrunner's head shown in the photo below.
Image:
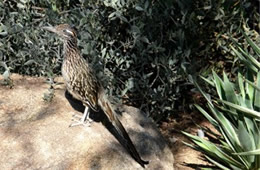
(63, 30)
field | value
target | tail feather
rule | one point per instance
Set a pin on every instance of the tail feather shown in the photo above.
(106, 107)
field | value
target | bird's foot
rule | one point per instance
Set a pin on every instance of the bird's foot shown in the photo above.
(79, 120)
(77, 116)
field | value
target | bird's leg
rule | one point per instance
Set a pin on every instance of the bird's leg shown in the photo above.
(87, 116)
(84, 120)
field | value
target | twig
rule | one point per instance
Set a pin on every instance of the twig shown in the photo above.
(38, 8)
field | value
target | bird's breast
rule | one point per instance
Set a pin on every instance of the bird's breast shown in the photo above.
(65, 73)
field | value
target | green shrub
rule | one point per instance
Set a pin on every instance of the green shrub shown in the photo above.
(143, 47)
(235, 114)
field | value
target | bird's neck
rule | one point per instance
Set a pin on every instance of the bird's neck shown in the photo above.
(70, 48)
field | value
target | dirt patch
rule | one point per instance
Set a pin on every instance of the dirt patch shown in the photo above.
(185, 157)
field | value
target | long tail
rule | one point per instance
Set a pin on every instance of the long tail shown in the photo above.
(110, 113)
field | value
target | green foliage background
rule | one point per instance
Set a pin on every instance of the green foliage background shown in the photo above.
(146, 48)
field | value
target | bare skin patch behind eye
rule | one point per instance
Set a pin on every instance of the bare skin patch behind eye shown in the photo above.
(70, 32)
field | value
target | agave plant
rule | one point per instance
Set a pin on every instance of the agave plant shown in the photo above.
(235, 114)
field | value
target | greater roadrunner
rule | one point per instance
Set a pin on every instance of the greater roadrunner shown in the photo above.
(83, 85)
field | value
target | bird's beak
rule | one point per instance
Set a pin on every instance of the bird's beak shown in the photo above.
(50, 28)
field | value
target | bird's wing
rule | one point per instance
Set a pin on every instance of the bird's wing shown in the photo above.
(85, 87)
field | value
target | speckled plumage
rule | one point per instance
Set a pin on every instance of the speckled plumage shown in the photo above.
(80, 79)
(83, 84)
